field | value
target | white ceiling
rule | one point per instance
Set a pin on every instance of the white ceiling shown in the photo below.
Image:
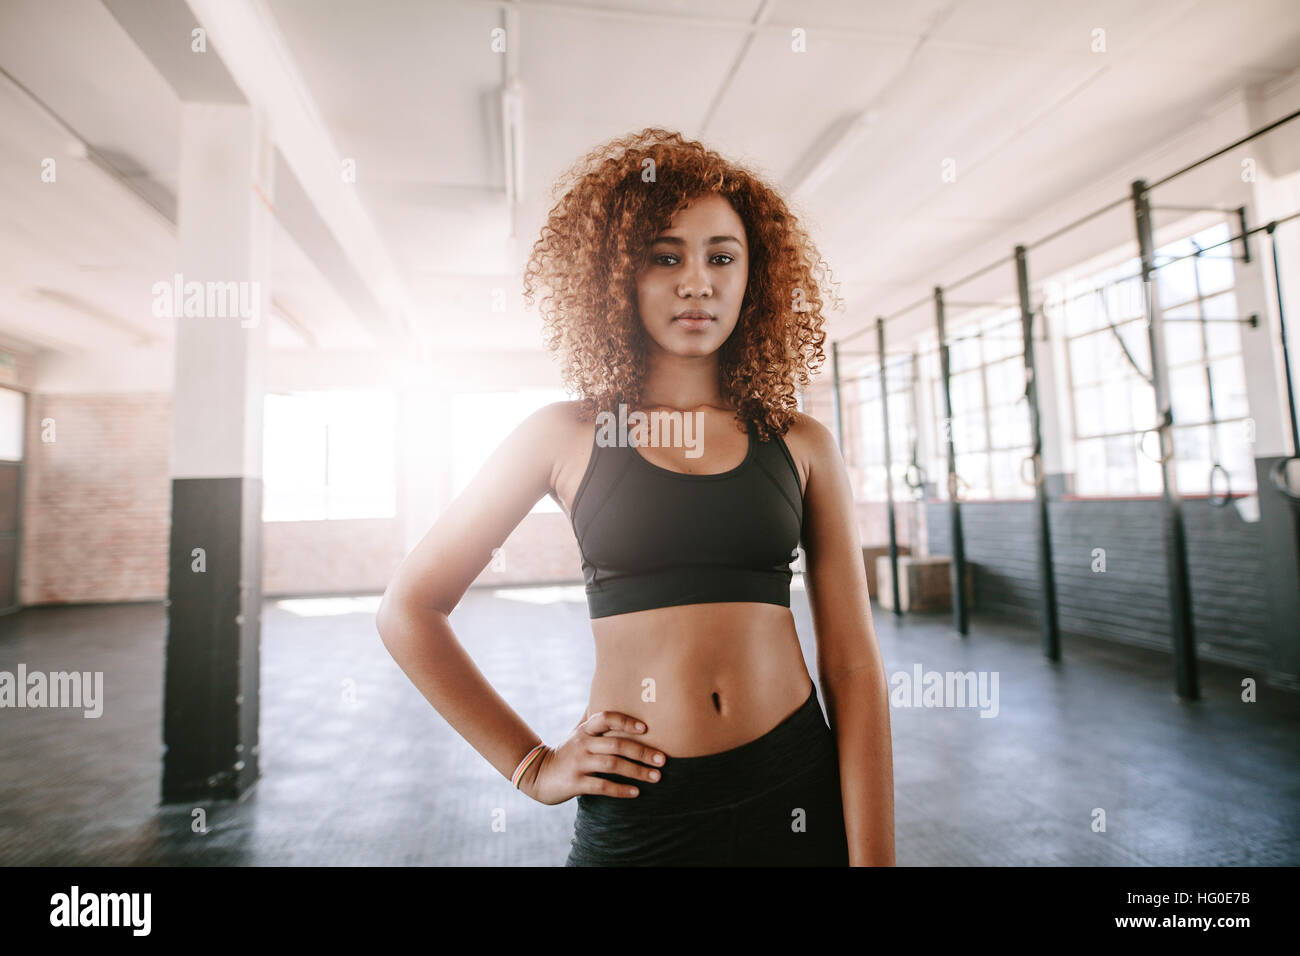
(1010, 89)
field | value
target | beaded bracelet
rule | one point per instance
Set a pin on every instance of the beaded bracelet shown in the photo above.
(523, 764)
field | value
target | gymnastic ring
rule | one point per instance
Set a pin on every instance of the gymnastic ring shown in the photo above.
(916, 483)
(1037, 461)
(1278, 476)
(1227, 484)
(1142, 438)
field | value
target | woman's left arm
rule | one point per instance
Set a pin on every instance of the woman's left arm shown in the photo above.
(849, 665)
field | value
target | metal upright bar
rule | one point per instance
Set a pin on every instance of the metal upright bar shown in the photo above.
(1047, 575)
(889, 466)
(1175, 538)
(958, 562)
(1271, 229)
(835, 395)
(914, 418)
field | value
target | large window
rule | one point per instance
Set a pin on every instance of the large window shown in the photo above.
(13, 406)
(1112, 401)
(482, 420)
(329, 455)
(898, 375)
(1204, 354)
(990, 416)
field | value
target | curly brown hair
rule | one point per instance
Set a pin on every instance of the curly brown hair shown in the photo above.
(615, 200)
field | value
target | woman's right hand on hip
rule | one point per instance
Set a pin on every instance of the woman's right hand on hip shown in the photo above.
(561, 773)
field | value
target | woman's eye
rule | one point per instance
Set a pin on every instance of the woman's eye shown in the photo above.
(659, 259)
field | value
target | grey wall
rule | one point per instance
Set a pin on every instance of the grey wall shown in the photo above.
(1128, 601)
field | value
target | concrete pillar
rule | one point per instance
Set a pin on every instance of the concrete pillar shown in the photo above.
(1261, 349)
(1275, 191)
(214, 594)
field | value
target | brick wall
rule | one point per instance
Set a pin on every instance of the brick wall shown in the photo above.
(97, 514)
(1128, 602)
(540, 550)
(329, 557)
(96, 499)
(873, 523)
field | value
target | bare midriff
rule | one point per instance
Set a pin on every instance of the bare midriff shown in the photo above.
(703, 677)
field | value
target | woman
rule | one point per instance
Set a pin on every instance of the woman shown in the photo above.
(678, 286)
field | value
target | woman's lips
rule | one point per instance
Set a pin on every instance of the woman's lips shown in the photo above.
(694, 320)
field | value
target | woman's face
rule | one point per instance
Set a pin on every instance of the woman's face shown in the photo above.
(699, 264)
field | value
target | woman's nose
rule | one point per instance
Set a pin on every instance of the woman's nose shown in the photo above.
(694, 282)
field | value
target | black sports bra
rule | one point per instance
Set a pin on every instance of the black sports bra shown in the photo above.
(652, 537)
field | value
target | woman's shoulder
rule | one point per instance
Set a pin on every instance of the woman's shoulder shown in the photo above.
(808, 433)
(811, 445)
(559, 413)
(564, 421)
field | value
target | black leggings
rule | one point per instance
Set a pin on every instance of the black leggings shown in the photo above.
(774, 801)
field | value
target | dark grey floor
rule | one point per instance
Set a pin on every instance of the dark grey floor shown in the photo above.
(385, 780)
